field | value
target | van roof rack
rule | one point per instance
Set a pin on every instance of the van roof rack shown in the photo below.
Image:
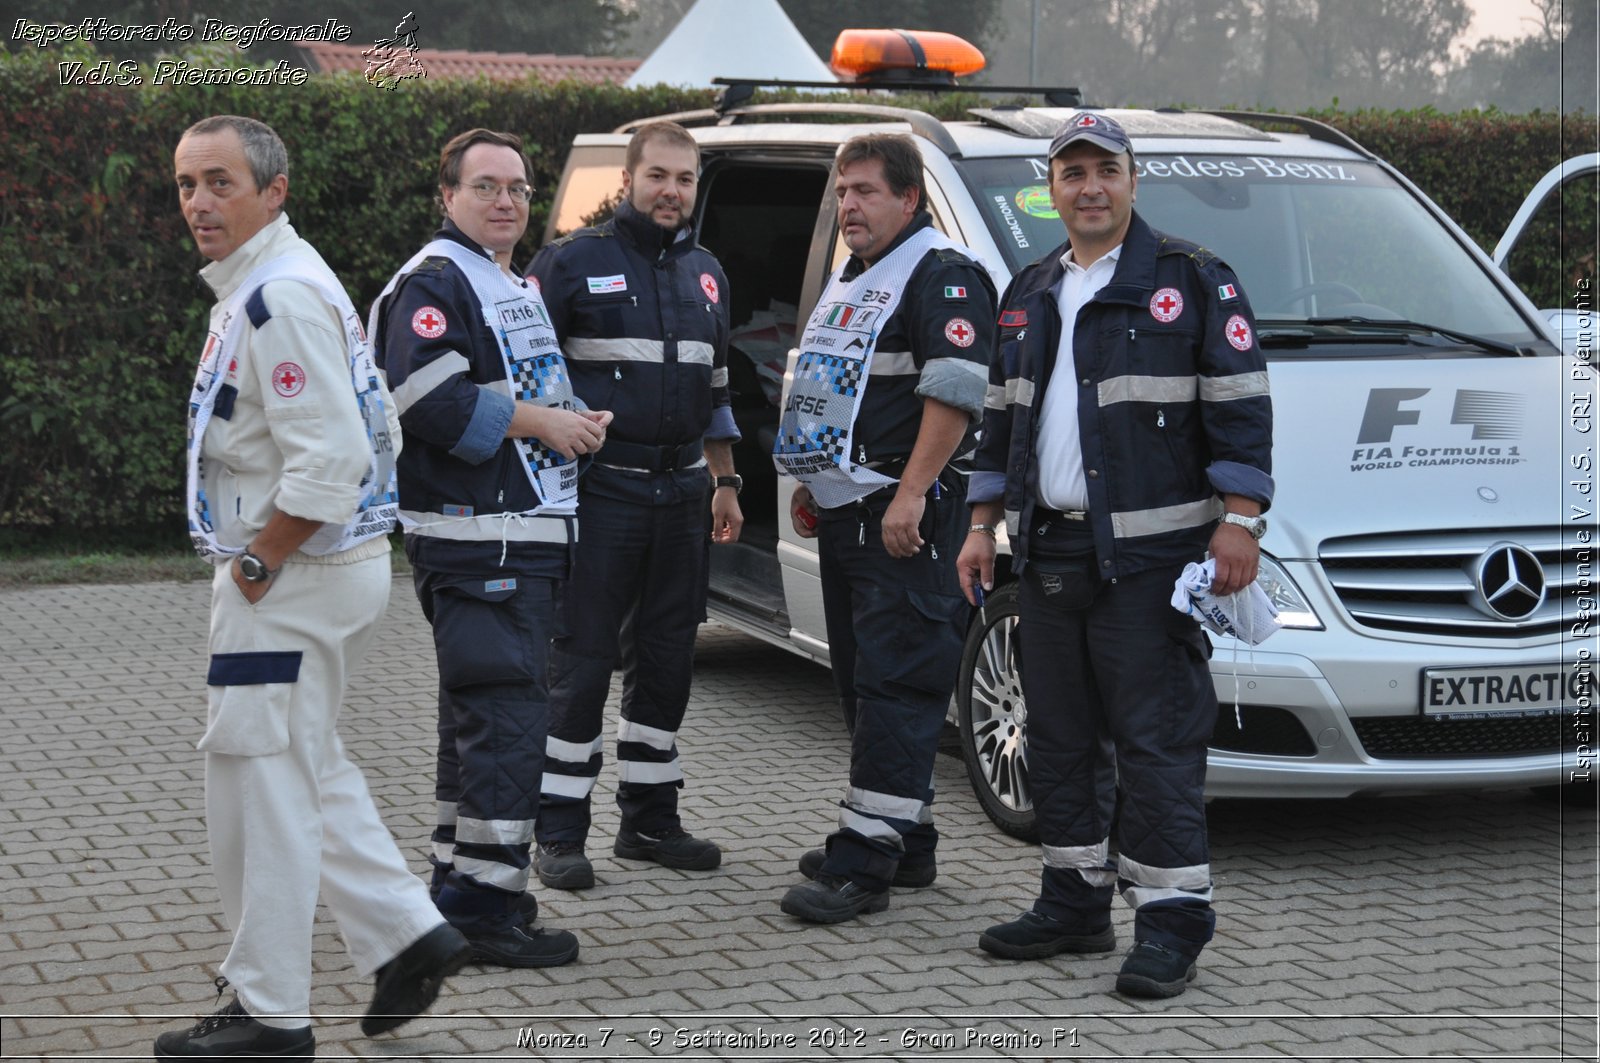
(738, 91)
(1313, 128)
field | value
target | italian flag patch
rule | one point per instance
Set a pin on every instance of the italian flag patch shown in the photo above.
(952, 291)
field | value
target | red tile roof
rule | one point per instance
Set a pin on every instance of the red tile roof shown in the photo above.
(596, 70)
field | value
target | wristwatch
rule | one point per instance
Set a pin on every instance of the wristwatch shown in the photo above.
(253, 569)
(1256, 526)
(736, 482)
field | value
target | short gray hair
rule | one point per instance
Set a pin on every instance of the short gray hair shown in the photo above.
(262, 147)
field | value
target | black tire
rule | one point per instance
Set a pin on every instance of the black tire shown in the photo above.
(990, 715)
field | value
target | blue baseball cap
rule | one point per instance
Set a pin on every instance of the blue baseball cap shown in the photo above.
(1102, 131)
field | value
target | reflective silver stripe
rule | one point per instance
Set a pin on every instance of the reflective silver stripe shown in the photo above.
(654, 737)
(1019, 391)
(995, 397)
(489, 528)
(572, 752)
(494, 831)
(426, 378)
(506, 877)
(893, 363)
(1165, 518)
(1148, 389)
(1237, 386)
(719, 378)
(447, 813)
(1139, 896)
(869, 827)
(557, 785)
(1147, 884)
(888, 805)
(592, 349)
(1013, 523)
(443, 853)
(1192, 879)
(647, 771)
(1098, 876)
(1095, 856)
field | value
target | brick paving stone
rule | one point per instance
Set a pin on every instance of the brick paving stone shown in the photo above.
(1359, 907)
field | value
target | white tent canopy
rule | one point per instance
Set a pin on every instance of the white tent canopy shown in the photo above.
(735, 39)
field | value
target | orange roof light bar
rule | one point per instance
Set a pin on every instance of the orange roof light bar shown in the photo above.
(866, 55)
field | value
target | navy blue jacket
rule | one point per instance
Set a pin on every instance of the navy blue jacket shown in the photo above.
(448, 377)
(1172, 414)
(934, 345)
(642, 315)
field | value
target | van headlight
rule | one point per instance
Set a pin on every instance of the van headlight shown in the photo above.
(1294, 611)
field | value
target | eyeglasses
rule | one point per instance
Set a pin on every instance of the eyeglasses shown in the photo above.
(489, 191)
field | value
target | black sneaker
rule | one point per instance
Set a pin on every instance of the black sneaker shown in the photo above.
(232, 1032)
(562, 866)
(521, 946)
(675, 847)
(1152, 970)
(1034, 936)
(408, 984)
(908, 874)
(830, 899)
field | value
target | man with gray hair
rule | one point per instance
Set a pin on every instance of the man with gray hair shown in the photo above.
(291, 494)
(888, 389)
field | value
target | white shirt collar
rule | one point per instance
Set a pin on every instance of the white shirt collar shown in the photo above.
(1110, 256)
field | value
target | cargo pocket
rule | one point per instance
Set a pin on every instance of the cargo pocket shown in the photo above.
(250, 695)
(928, 641)
(490, 639)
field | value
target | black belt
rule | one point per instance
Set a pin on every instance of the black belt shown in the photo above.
(651, 459)
(1051, 516)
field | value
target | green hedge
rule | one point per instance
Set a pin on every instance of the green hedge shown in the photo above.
(104, 316)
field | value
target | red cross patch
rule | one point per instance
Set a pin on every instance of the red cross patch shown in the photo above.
(1238, 332)
(959, 331)
(1166, 305)
(1087, 120)
(288, 379)
(428, 323)
(708, 284)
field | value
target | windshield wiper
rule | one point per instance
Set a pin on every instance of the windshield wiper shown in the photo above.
(1481, 342)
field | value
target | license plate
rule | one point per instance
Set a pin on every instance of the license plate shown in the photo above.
(1534, 690)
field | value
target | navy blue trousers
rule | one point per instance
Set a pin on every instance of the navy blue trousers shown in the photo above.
(895, 629)
(1120, 706)
(491, 637)
(636, 599)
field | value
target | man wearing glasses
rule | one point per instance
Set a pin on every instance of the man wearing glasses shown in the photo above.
(642, 312)
(488, 497)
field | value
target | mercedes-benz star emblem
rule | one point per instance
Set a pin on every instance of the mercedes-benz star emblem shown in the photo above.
(1510, 581)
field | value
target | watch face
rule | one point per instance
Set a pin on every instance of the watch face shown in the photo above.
(252, 568)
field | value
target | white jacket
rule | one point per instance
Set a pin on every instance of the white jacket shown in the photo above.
(294, 440)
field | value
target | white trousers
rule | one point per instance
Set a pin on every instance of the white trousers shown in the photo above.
(288, 814)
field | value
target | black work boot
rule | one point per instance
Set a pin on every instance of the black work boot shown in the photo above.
(562, 866)
(230, 1031)
(523, 946)
(673, 847)
(408, 984)
(910, 873)
(1033, 937)
(832, 899)
(1152, 970)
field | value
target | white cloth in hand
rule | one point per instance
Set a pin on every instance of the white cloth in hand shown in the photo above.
(1247, 615)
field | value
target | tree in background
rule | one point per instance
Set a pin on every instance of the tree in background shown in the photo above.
(1520, 75)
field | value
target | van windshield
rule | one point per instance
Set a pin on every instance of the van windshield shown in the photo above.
(1309, 238)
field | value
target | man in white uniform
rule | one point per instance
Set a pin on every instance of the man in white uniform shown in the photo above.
(291, 439)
